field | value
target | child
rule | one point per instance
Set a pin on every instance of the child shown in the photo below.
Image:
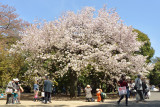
(36, 90)
(98, 95)
(36, 95)
(15, 97)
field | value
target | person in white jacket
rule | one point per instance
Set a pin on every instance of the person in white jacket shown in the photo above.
(138, 84)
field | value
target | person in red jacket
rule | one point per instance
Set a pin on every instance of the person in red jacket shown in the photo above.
(123, 83)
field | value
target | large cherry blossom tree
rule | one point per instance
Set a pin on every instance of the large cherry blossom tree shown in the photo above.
(75, 40)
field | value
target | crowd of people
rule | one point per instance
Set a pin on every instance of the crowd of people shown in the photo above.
(14, 90)
(100, 94)
(137, 88)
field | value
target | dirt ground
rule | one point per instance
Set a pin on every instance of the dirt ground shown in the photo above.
(57, 101)
(25, 103)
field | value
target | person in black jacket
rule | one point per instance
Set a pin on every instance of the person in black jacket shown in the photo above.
(144, 86)
(47, 89)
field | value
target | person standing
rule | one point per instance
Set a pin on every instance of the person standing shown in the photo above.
(144, 86)
(88, 90)
(79, 89)
(138, 84)
(47, 89)
(17, 88)
(123, 83)
(36, 90)
(10, 95)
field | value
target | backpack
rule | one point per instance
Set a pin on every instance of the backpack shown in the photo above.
(103, 95)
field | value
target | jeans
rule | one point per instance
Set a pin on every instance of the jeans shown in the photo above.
(122, 96)
(47, 96)
(9, 99)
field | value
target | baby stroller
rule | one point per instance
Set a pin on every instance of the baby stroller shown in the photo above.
(42, 97)
(147, 94)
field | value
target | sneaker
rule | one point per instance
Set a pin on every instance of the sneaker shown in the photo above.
(18, 103)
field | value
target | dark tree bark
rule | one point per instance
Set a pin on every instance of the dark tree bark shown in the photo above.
(73, 83)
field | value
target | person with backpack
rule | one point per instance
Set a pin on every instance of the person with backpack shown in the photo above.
(123, 83)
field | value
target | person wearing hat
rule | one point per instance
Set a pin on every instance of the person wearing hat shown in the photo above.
(11, 89)
(98, 95)
(88, 90)
(17, 86)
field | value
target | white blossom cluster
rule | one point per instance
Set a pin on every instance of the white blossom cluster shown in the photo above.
(77, 40)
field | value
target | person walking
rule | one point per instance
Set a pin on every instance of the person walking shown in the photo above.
(139, 88)
(88, 90)
(123, 83)
(47, 89)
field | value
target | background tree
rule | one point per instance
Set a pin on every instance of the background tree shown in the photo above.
(146, 49)
(10, 23)
(11, 64)
(155, 73)
(74, 41)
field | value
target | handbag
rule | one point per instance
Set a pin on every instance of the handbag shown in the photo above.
(103, 95)
(122, 91)
(9, 91)
(42, 94)
(135, 87)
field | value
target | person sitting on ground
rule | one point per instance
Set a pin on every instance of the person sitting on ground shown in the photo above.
(88, 90)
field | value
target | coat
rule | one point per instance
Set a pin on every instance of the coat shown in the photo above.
(47, 86)
(88, 92)
(99, 95)
(138, 83)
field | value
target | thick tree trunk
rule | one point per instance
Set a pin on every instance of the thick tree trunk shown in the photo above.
(73, 84)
